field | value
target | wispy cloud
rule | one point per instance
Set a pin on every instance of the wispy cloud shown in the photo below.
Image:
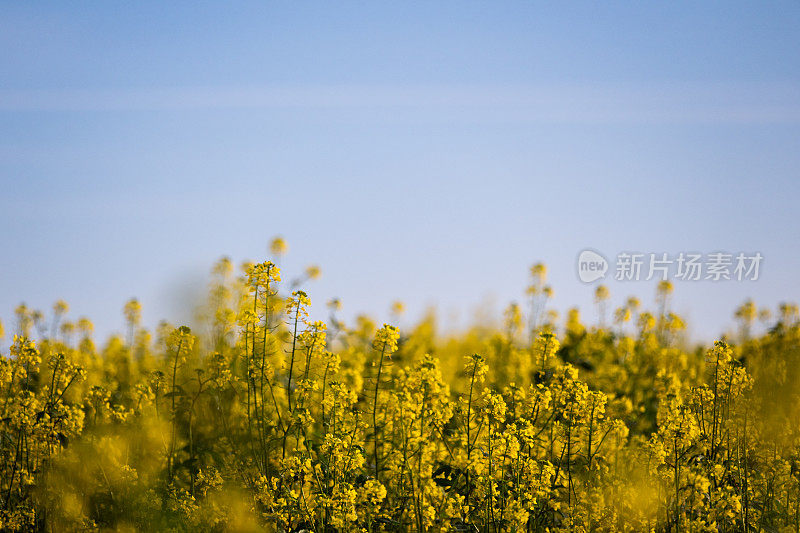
(581, 103)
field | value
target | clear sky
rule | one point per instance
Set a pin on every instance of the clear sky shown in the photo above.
(424, 151)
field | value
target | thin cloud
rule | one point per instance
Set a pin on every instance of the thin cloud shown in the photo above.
(590, 103)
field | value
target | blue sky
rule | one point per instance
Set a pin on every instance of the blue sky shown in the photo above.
(429, 152)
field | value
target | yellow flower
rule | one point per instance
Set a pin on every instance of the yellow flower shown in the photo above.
(398, 308)
(313, 272)
(278, 246)
(386, 339)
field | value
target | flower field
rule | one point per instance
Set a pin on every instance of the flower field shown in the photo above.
(261, 419)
